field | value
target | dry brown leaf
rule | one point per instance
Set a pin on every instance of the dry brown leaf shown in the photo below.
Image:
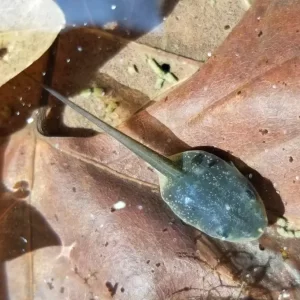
(243, 100)
(27, 30)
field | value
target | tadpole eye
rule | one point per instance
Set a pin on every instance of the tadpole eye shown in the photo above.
(198, 159)
(250, 194)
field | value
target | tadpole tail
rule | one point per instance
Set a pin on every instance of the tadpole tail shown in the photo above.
(159, 162)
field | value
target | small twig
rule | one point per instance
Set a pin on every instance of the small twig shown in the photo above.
(240, 292)
(162, 75)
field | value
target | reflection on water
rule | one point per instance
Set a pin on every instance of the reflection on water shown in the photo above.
(137, 15)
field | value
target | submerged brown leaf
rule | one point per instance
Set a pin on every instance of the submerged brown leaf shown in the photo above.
(244, 100)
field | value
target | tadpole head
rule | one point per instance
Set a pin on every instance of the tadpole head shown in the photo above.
(214, 197)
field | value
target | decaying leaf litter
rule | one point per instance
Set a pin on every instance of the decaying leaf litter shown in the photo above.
(270, 242)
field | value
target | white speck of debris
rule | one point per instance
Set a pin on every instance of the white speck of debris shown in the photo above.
(29, 104)
(84, 24)
(209, 54)
(68, 60)
(29, 88)
(17, 113)
(140, 207)
(113, 7)
(187, 200)
(23, 104)
(23, 239)
(284, 295)
(66, 251)
(274, 86)
(297, 177)
(119, 205)
(79, 48)
(29, 120)
(164, 18)
(258, 18)
(227, 207)
(101, 226)
(274, 184)
(44, 73)
(20, 98)
(56, 146)
(73, 25)
(92, 216)
(266, 150)
(250, 175)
